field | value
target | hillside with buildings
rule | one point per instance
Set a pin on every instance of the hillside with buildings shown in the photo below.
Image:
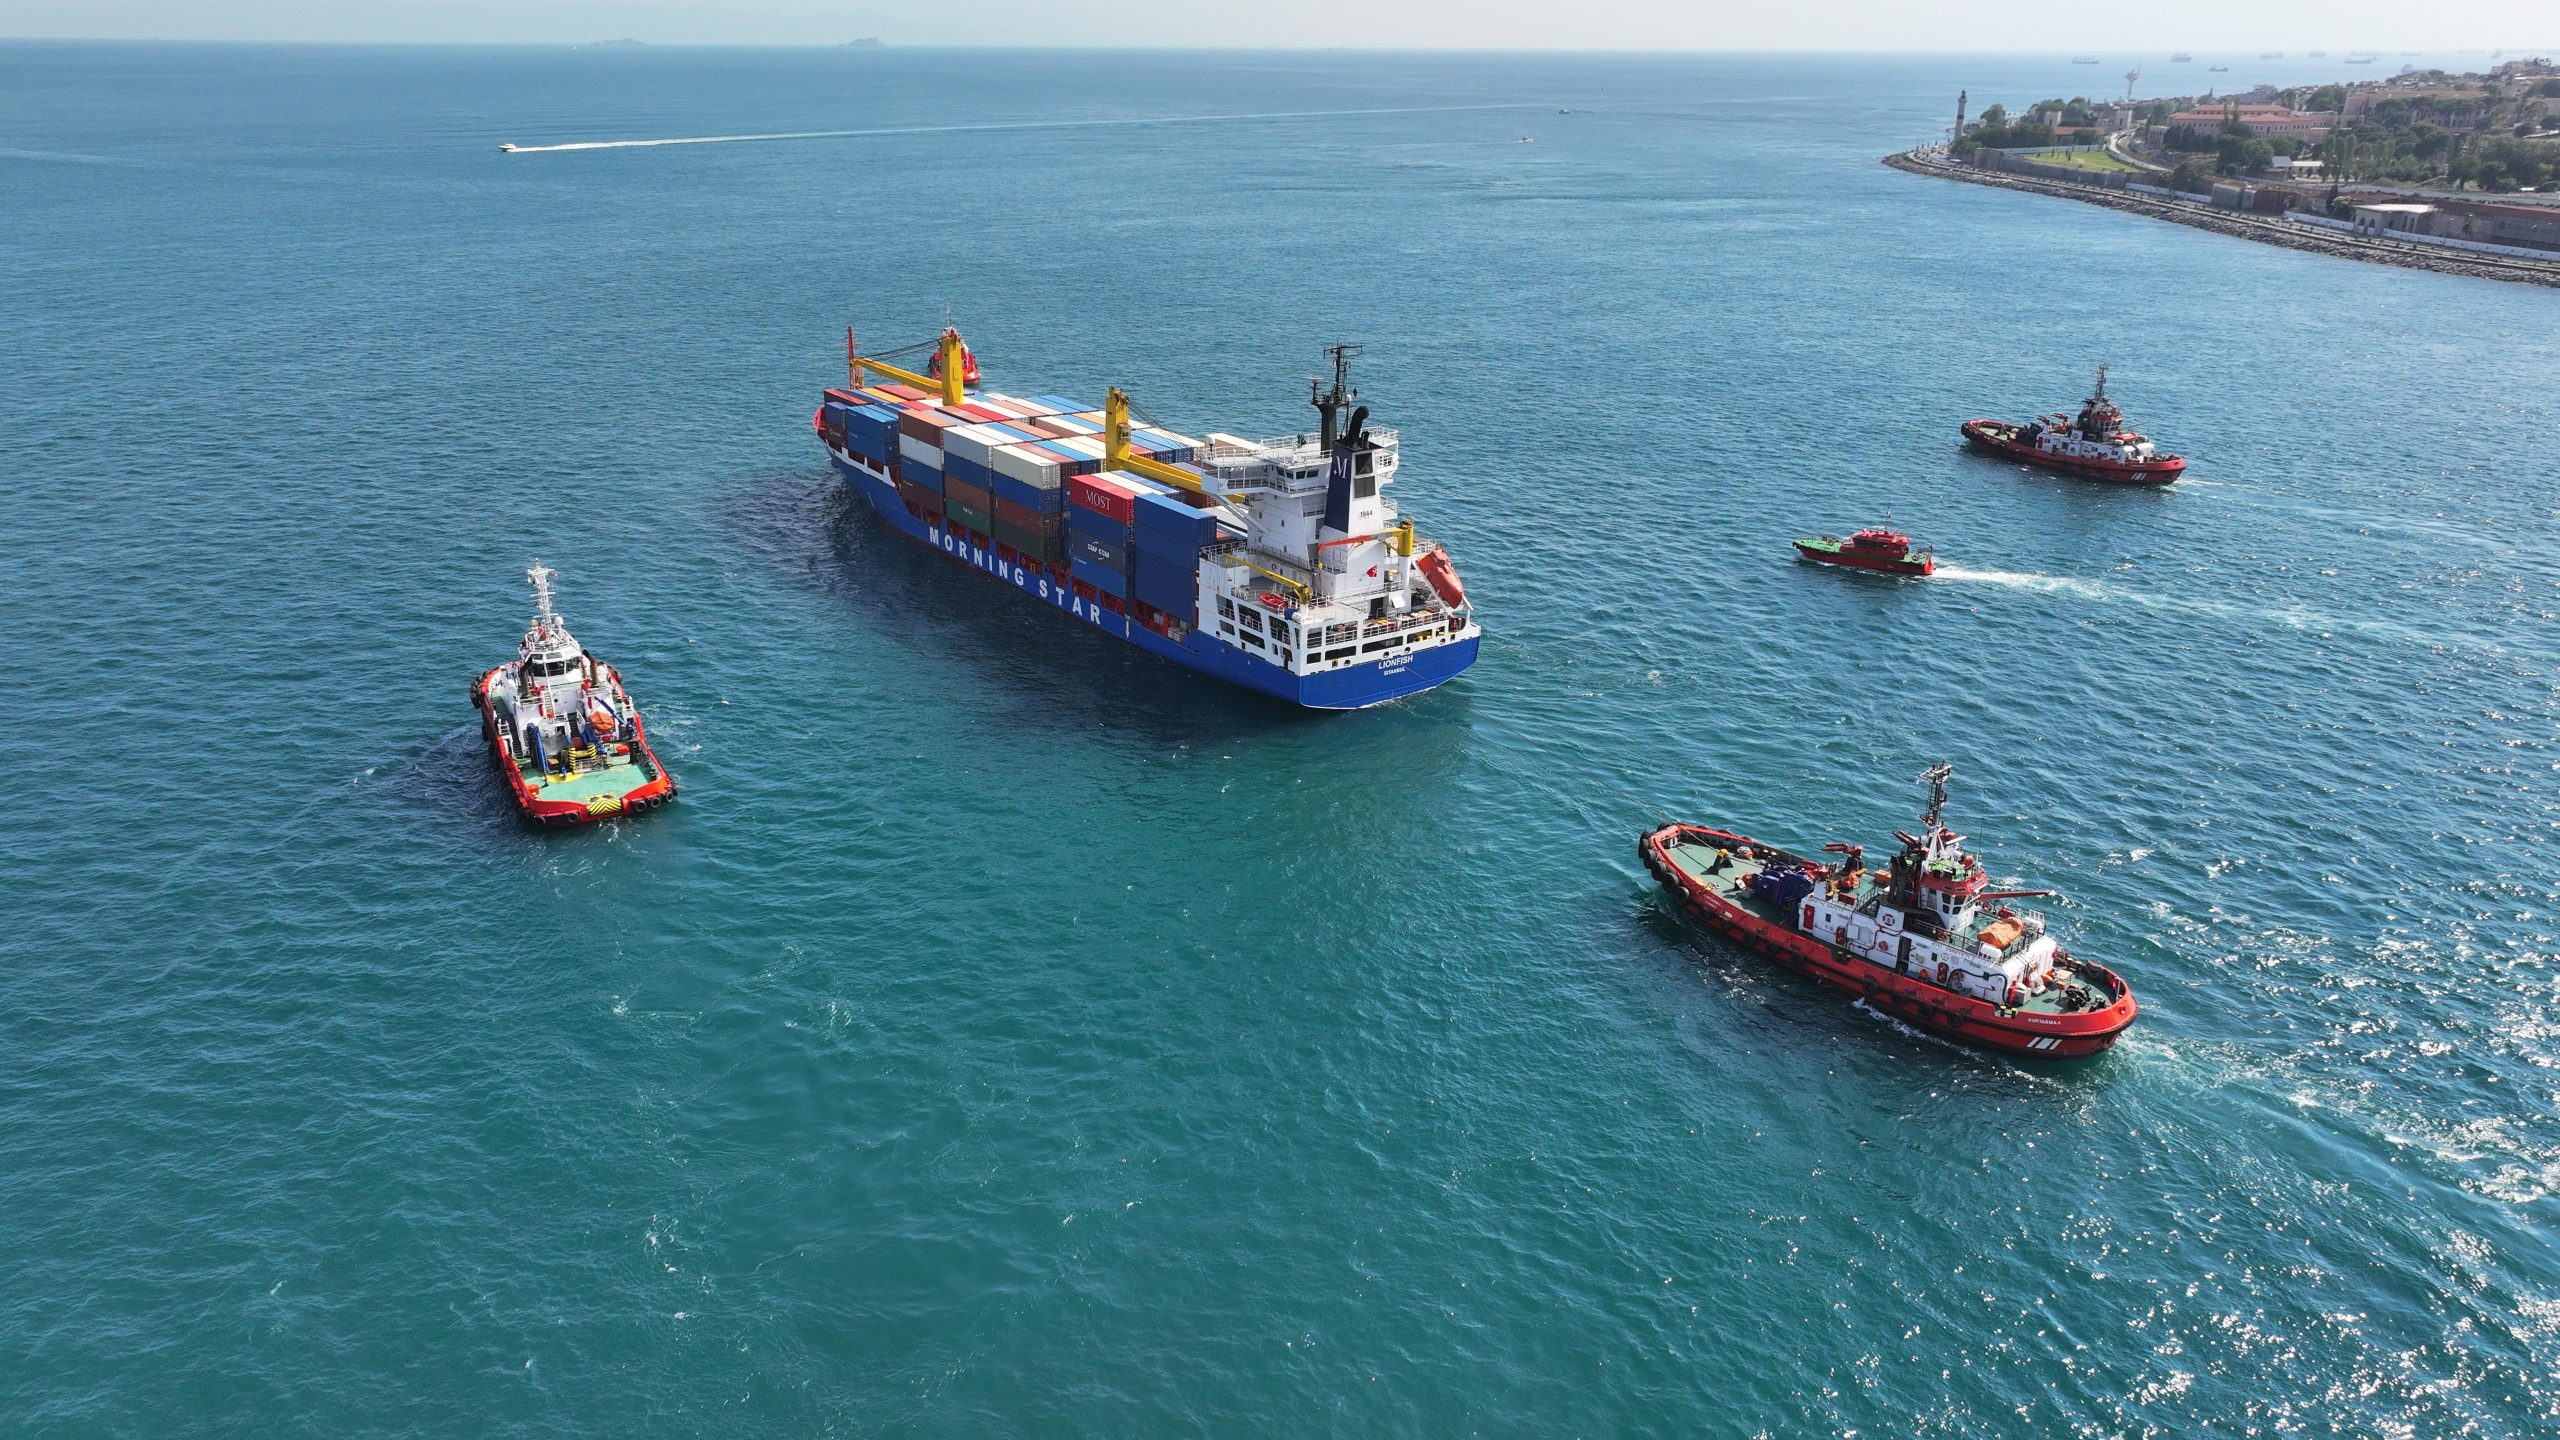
(2438, 170)
(2490, 132)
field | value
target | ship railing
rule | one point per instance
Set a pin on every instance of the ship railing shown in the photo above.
(1268, 460)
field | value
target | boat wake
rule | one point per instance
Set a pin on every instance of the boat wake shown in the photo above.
(993, 125)
(2055, 584)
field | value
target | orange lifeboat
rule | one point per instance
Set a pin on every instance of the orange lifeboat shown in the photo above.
(1443, 576)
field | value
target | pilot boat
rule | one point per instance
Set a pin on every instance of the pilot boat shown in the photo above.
(1875, 548)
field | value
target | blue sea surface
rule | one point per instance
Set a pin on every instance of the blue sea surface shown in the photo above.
(1008, 1034)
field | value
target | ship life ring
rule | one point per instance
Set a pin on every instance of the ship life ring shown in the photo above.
(1942, 972)
(1841, 937)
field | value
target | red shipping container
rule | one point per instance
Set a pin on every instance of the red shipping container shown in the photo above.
(1041, 428)
(847, 397)
(903, 392)
(981, 415)
(1019, 516)
(1103, 496)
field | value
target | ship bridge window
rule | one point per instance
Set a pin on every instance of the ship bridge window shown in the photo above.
(1252, 622)
(1364, 486)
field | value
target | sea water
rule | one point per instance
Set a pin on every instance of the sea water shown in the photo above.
(1006, 1033)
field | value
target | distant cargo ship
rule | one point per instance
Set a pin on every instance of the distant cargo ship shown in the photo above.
(1279, 565)
(2181, 58)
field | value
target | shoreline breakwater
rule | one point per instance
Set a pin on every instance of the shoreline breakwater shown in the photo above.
(2264, 230)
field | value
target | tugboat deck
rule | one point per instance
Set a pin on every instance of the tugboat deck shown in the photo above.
(1728, 873)
(613, 778)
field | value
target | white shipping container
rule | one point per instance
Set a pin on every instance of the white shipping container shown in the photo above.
(1083, 445)
(920, 452)
(1027, 465)
(974, 442)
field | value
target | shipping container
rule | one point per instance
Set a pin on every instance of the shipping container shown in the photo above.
(1169, 515)
(974, 496)
(1103, 495)
(1103, 578)
(1033, 545)
(959, 469)
(1026, 517)
(920, 452)
(1093, 549)
(960, 512)
(927, 501)
(1028, 463)
(1170, 587)
(1047, 500)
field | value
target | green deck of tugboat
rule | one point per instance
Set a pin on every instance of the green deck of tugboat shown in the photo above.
(1728, 873)
(617, 777)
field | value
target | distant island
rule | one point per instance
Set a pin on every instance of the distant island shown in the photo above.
(623, 44)
(867, 42)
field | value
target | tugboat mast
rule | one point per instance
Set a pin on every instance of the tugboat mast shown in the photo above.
(1937, 775)
(542, 575)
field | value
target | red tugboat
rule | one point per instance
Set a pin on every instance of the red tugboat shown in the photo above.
(1925, 942)
(1888, 551)
(2094, 443)
(561, 729)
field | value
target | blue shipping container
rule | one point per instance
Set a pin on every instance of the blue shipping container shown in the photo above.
(1169, 516)
(1104, 578)
(1166, 586)
(1050, 501)
(1107, 553)
(1176, 549)
(915, 474)
(1081, 521)
(960, 468)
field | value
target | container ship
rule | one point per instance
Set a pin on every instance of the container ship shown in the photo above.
(1925, 941)
(1279, 565)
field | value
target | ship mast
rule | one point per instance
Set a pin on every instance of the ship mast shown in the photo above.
(1331, 403)
(1937, 775)
(542, 575)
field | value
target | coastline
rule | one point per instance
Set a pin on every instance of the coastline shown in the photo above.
(2247, 227)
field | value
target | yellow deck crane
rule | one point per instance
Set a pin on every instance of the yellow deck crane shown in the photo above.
(951, 354)
(1116, 456)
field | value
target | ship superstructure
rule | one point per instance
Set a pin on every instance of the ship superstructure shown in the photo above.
(1279, 564)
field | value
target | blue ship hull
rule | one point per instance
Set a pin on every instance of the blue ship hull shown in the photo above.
(1353, 687)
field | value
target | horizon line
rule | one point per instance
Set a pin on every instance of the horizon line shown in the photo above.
(2533, 51)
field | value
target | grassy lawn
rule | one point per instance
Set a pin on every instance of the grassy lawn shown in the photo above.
(2081, 159)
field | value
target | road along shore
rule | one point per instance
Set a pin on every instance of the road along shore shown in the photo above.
(2264, 229)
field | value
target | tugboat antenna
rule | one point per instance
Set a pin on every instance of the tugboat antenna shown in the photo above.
(542, 575)
(1937, 775)
(2102, 384)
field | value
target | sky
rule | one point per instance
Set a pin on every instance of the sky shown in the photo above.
(1851, 25)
